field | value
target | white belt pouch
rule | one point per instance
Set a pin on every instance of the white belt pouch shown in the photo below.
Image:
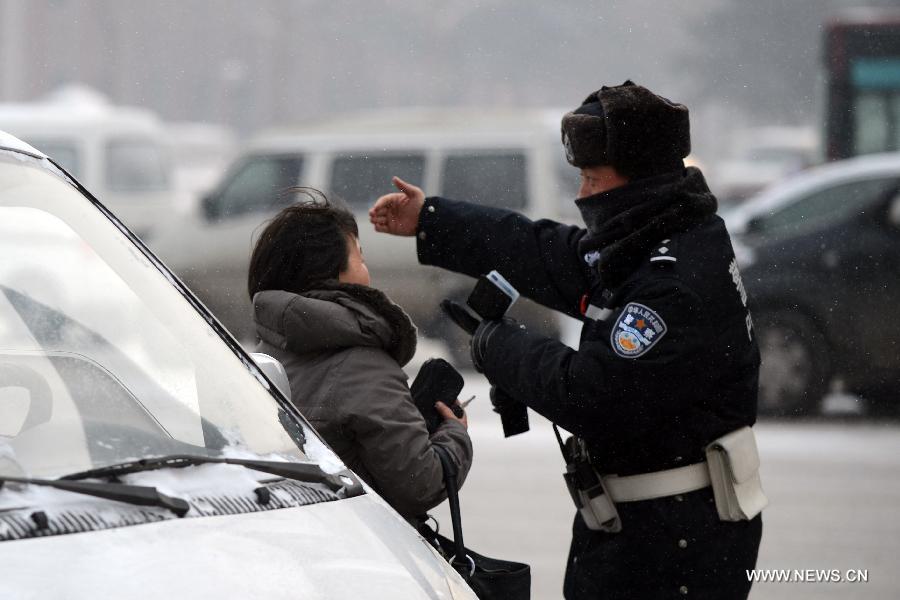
(733, 461)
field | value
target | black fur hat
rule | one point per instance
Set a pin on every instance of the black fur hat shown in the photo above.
(629, 128)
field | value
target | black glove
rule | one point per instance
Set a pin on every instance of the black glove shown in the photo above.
(460, 315)
(480, 330)
(513, 413)
(500, 399)
(478, 344)
(482, 337)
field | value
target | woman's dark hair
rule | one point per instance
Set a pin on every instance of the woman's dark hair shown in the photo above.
(303, 245)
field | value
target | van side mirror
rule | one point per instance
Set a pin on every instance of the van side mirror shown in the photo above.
(210, 206)
(274, 370)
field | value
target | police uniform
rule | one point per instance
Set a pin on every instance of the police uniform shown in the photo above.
(667, 363)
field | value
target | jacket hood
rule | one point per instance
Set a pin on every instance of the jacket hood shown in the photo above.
(333, 317)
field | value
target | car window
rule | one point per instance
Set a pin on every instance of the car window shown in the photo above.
(136, 165)
(359, 178)
(825, 206)
(488, 178)
(64, 153)
(257, 184)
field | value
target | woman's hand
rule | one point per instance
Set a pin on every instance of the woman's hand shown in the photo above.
(448, 415)
(398, 213)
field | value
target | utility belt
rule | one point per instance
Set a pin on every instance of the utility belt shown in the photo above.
(731, 467)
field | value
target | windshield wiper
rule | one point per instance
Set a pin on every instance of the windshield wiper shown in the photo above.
(344, 481)
(132, 494)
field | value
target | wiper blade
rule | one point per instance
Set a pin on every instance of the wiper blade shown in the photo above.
(140, 495)
(344, 481)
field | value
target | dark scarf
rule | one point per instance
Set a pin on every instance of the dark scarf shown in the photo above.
(624, 224)
(402, 344)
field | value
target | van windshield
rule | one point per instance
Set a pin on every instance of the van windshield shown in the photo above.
(102, 360)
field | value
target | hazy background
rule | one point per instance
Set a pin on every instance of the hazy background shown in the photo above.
(251, 65)
(738, 64)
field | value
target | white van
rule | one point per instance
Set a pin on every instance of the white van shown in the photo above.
(201, 152)
(118, 153)
(505, 158)
(144, 454)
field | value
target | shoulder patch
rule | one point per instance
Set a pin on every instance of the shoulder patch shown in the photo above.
(637, 329)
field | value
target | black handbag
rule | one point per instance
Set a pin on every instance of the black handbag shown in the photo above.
(490, 578)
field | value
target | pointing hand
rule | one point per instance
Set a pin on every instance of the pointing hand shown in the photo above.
(398, 213)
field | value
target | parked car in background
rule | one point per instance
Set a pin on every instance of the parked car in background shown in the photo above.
(761, 157)
(119, 153)
(511, 159)
(200, 154)
(145, 429)
(820, 256)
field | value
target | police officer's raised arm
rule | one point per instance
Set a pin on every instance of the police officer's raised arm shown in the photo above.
(539, 258)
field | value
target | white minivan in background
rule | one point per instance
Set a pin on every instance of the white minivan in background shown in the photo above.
(144, 454)
(505, 158)
(119, 153)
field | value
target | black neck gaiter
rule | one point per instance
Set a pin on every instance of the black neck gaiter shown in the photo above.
(626, 222)
(620, 207)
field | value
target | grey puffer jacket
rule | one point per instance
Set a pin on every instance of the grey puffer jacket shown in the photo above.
(343, 347)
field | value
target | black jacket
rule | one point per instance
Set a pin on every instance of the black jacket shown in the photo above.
(671, 367)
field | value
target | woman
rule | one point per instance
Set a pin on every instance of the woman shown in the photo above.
(343, 344)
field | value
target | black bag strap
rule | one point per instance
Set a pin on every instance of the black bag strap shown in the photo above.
(450, 472)
(562, 445)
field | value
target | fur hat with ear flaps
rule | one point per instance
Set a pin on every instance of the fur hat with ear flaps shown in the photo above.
(629, 128)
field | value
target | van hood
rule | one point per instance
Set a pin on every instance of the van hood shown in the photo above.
(354, 548)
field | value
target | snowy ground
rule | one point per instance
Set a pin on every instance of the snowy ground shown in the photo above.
(834, 489)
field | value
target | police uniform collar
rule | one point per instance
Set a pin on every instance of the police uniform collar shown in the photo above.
(623, 232)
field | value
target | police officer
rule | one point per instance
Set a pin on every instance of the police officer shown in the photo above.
(667, 361)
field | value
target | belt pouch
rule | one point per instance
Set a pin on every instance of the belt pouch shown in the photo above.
(734, 472)
(592, 500)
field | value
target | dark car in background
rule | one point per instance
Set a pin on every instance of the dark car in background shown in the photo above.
(821, 260)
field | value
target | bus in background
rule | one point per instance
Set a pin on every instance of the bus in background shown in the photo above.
(862, 64)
